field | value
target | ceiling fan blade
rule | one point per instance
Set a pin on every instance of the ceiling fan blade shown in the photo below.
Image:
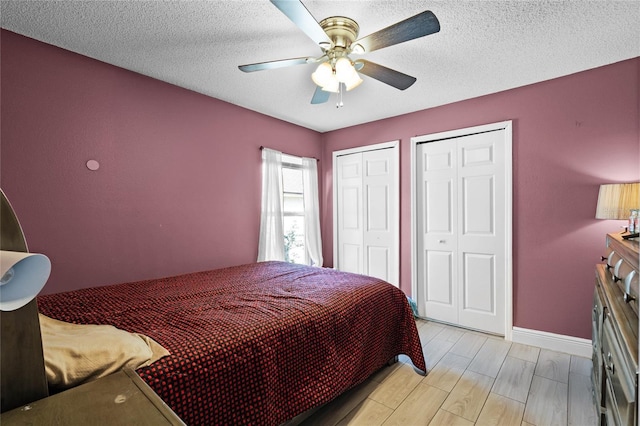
(419, 25)
(386, 75)
(275, 64)
(320, 96)
(299, 15)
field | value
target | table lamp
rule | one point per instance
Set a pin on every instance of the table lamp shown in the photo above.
(617, 200)
(22, 276)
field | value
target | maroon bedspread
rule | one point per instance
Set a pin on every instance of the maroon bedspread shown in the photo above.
(254, 344)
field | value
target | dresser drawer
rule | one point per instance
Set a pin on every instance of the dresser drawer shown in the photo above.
(610, 414)
(597, 313)
(620, 391)
(622, 259)
(612, 259)
(596, 342)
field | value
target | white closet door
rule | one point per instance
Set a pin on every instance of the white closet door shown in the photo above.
(460, 226)
(350, 214)
(380, 193)
(366, 211)
(437, 231)
(481, 218)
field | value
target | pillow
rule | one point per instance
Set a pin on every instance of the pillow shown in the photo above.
(78, 353)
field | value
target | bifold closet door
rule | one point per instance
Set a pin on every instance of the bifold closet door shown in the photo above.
(460, 230)
(367, 214)
(436, 198)
(350, 214)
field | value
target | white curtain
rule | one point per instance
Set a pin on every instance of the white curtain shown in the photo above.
(312, 238)
(271, 243)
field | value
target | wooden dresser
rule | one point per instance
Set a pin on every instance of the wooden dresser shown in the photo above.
(615, 333)
(121, 398)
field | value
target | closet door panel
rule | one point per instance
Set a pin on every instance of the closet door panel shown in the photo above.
(380, 237)
(479, 283)
(437, 263)
(367, 211)
(481, 239)
(350, 213)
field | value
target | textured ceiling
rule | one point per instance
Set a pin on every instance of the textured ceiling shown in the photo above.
(483, 47)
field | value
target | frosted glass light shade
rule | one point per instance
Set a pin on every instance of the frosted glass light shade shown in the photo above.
(353, 81)
(329, 80)
(347, 74)
(323, 74)
(615, 201)
(22, 276)
(333, 85)
(344, 69)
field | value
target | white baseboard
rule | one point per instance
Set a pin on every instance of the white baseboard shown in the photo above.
(555, 342)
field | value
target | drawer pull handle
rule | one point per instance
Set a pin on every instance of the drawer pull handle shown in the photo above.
(609, 365)
(616, 270)
(603, 258)
(627, 287)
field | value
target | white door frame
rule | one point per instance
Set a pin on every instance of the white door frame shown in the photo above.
(396, 158)
(507, 127)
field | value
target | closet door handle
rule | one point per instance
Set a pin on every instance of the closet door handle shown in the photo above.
(442, 241)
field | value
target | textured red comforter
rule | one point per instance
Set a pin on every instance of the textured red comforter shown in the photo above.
(254, 344)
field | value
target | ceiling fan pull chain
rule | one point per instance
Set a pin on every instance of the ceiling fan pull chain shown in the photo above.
(339, 104)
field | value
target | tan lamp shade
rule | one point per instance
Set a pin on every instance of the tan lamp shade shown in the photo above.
(616, 200)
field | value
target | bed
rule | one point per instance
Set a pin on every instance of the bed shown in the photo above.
(257, 343)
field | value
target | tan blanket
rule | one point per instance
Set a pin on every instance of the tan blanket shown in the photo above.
(75, 353)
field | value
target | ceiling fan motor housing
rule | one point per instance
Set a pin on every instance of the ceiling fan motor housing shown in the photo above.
(341, 30)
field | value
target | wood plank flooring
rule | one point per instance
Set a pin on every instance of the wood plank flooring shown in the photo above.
(474, 379)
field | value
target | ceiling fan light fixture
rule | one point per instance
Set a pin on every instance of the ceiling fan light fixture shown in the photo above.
(353, 82)
(346, 73)
(326, 78)
(344, 69)
(323, 74)
(332, 86)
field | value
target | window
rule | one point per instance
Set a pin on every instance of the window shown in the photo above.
(293, 210)
(289, 211)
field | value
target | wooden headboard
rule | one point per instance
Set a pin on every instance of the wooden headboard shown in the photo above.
(22, 374)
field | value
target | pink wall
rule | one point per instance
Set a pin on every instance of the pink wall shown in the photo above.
(179, 184)
(569, 135)
(178, 188)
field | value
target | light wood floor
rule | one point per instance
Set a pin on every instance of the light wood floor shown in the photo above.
(473, 378)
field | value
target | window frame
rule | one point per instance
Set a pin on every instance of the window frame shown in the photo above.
(295, 163)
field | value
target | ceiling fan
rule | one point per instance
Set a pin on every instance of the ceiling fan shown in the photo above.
(337, 37)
